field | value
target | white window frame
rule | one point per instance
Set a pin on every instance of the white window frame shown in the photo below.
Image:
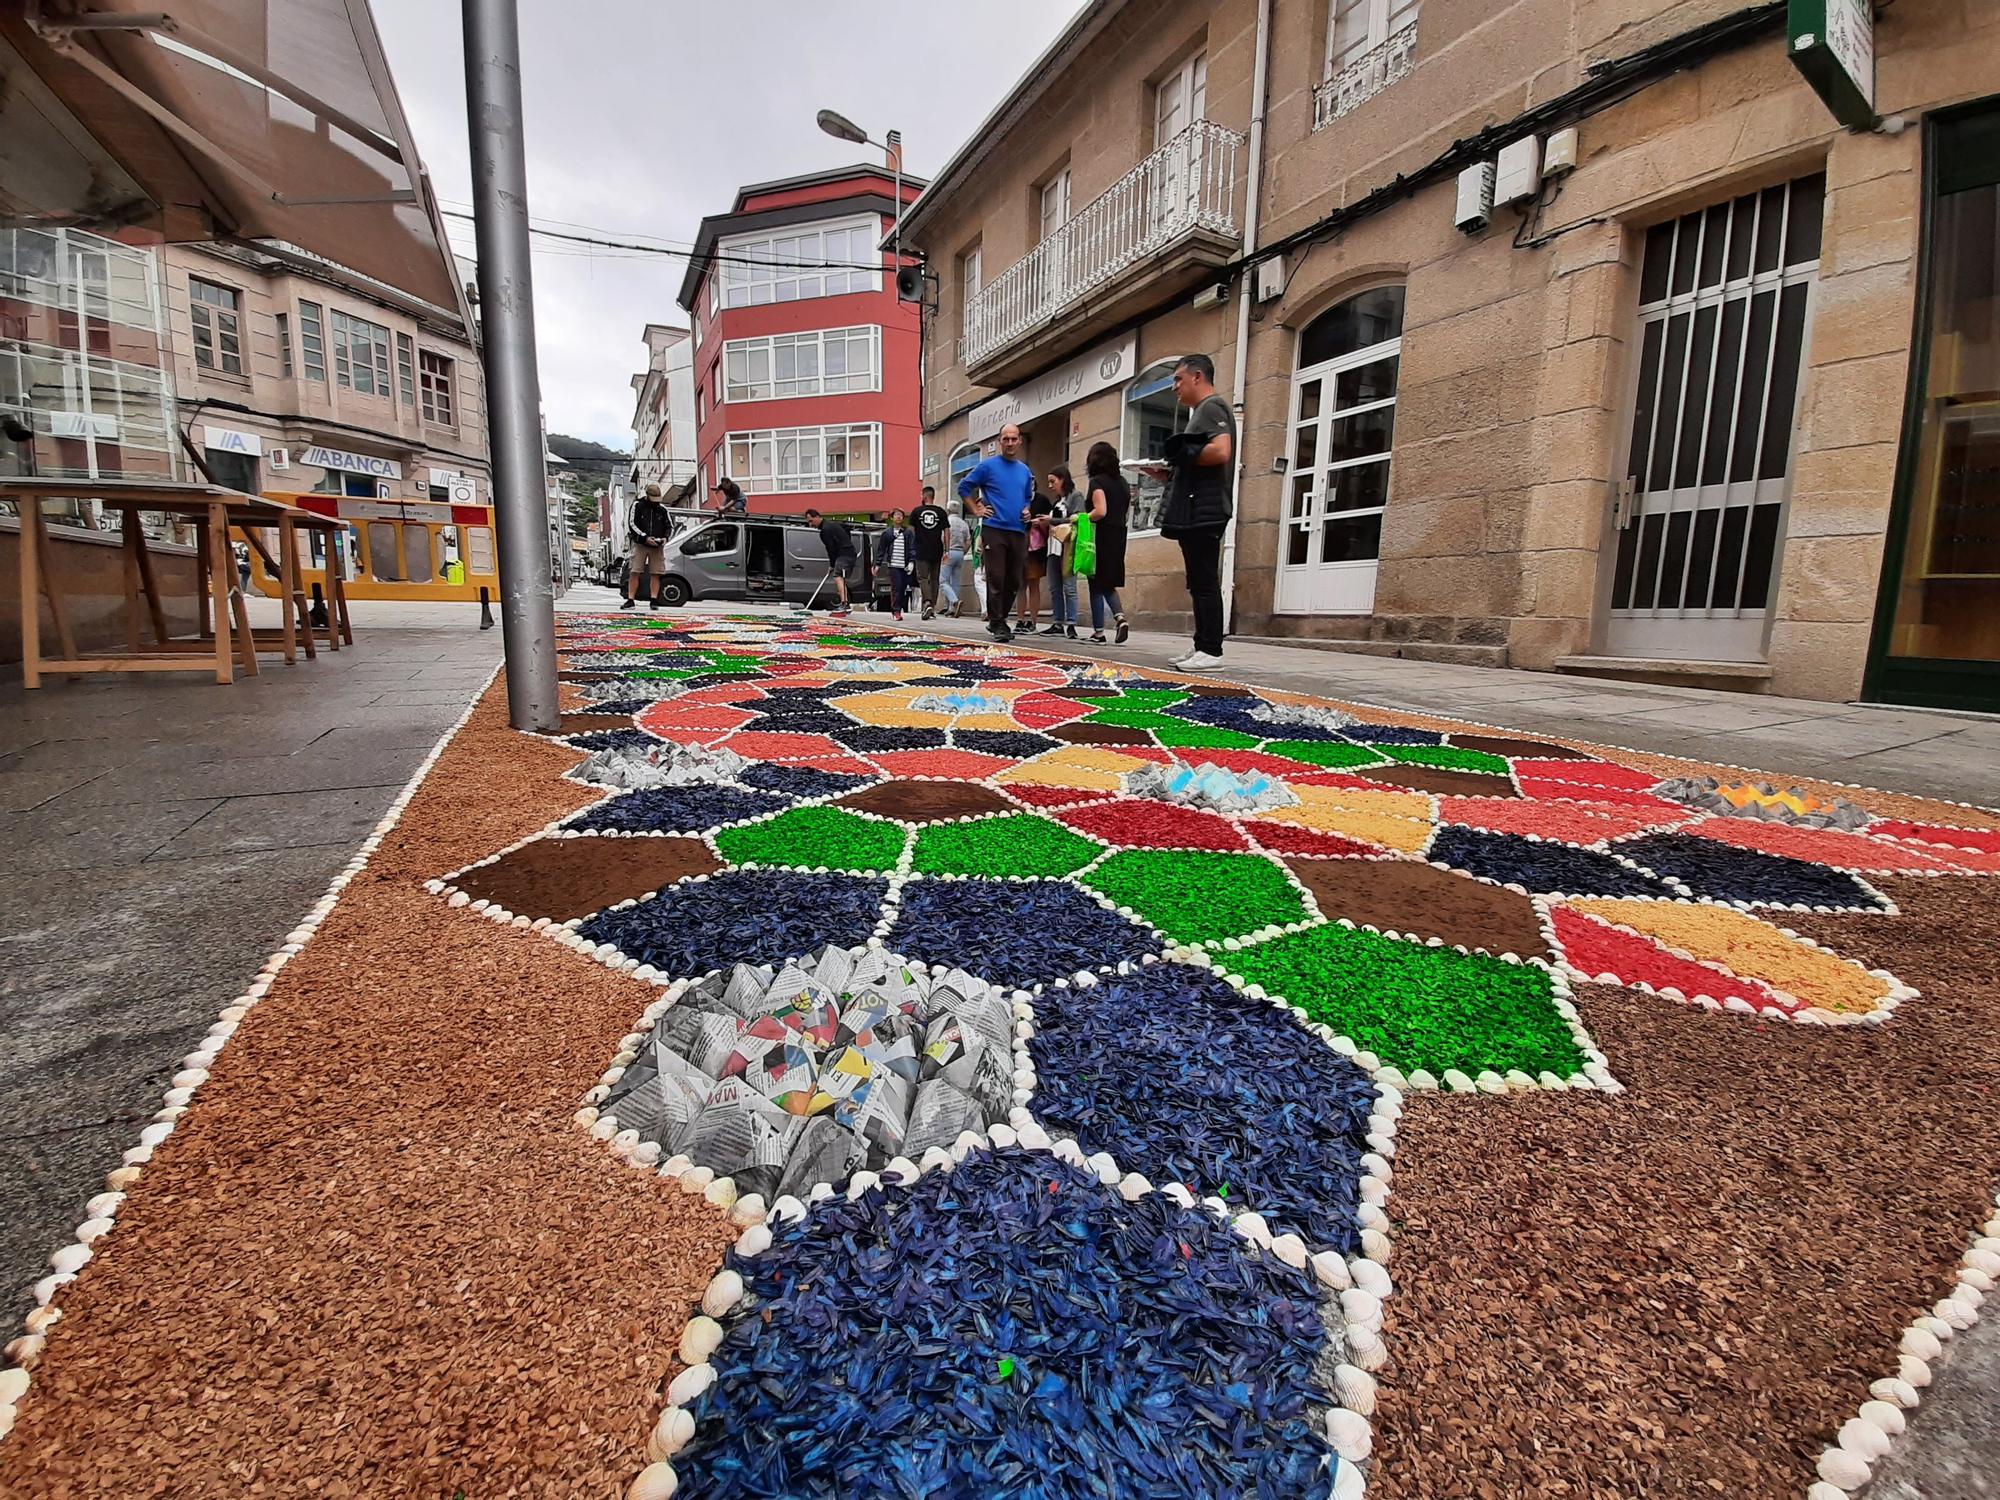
(1053, 197)
(795, 460)
(1186, 88)
(354, 335)
(770, 347)
(312, 341)
(1384, 19)
(406, 368)
(439, 388)
(803, 245)
(284, 324)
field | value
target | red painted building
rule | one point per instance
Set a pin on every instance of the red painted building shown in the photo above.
(805, 363)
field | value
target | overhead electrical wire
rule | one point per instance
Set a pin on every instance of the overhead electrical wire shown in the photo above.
(712, 257)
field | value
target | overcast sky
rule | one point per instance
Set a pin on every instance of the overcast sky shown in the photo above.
(643, 116)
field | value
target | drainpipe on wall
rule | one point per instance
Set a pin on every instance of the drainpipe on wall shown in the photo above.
(1244, 287)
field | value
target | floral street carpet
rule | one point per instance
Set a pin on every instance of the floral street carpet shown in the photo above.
(1044, 1029)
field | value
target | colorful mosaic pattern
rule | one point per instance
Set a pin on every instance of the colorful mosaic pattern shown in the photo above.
(1230, 928)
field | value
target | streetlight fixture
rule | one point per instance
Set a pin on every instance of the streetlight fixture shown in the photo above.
(841, 128)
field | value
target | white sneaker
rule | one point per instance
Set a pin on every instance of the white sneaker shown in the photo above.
(1199, 661)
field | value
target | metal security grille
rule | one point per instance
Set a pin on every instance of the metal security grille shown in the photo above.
(1725, 293)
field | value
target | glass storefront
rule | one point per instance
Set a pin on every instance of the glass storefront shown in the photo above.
(1938, 631)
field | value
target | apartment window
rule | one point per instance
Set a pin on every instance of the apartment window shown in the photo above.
(821, 260)
(969, 284)
(822, 362)
(1055, 203)
(284, 321)
(361, 355)
(435, 372)
(1357, 27)
(217, 316)
(406, 380)
(700, 405)
(312, 341)
(1369, 45)
(841, 457)
(1181, 98)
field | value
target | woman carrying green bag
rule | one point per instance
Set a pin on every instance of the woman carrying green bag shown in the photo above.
(1109, 503)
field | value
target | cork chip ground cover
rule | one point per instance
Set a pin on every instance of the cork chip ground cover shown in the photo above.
(1043, 1037)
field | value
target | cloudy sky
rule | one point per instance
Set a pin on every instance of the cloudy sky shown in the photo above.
(643, 116)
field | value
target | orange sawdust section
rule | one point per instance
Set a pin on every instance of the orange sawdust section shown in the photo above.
(378, 1258)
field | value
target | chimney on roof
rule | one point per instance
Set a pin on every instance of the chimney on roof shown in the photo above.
(893, 157)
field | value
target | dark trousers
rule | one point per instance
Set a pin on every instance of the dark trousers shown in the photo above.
(927, 581)
(1201, 557)
(899, 588)
(1006, 570)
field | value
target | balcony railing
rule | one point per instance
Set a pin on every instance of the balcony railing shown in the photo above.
(1365, 77)
(1188, 184)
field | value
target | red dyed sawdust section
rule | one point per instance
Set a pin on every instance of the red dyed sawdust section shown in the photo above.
(378, 1258)
(1685, 1290)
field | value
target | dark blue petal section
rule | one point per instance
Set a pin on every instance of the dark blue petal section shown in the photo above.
(676, 809)
(1011, 932)
(1019, 743)
(1724, 872)
(865, 737)
(1182, 1078)
(744, 916)
(798, 781)
(1012, 1328)
(1541, 868)
(613, 739)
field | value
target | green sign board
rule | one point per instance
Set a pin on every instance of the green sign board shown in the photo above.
(1832, 42)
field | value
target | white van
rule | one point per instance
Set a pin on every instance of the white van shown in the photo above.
(737, 557)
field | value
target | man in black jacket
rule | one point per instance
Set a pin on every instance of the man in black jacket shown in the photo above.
(649, 526)
(1199, 475)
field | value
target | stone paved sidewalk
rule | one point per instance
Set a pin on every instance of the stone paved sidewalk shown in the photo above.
(158, 838)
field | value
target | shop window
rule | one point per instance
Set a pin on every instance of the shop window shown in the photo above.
(1941, 644)
(1152, 415)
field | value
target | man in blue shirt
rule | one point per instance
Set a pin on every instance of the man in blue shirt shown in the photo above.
(999, 489)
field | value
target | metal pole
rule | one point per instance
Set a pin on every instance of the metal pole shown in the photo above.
(513, 388)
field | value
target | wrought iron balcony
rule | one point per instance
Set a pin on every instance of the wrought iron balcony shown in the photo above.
(1181, 196)
(1365, 77)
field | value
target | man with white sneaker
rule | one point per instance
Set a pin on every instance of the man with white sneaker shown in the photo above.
(1199, 474)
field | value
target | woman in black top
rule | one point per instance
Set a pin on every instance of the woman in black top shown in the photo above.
(1110, 505)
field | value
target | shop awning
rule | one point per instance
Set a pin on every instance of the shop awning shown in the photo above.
(273, 122)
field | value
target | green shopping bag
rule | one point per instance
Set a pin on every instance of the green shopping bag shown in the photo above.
(1083, 547)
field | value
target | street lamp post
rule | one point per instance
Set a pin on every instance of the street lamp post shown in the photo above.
(843, 129)
(506, 299)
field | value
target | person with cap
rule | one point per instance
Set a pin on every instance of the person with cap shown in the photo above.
(649, 526)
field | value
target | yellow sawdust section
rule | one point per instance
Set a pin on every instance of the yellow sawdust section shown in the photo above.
(1747, 947)
(1394, 820)
(891, 708)
(1080, 766)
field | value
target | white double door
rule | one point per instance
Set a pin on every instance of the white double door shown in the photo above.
(1343, 426)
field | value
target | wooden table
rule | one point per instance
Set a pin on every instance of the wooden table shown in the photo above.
(224, 641)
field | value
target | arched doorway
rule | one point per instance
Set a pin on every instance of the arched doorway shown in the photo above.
(1342, 427)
